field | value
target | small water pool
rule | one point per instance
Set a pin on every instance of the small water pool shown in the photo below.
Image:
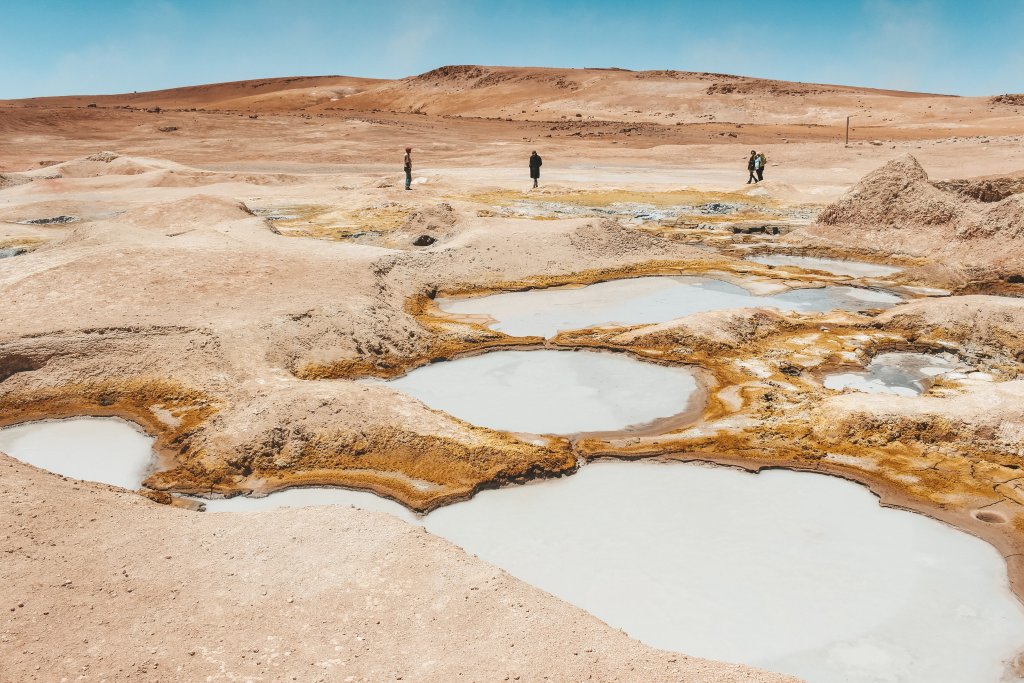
(645, 300)
(103, 449)
(552, 392)
(899, 373)
(828, 265)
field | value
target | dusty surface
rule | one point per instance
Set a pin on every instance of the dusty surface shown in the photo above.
(245, 253)
(180, 596)
(971, 232)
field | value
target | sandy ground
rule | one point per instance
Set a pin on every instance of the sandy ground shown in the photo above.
(180, 596)
(236, 255)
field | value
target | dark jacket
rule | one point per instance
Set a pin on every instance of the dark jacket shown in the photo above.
(535, 162)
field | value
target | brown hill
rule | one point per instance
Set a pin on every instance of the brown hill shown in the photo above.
(546, 94)
(231, 95)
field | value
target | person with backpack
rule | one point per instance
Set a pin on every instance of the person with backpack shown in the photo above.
(752, 167)
(535, 162)
(761, 159)
(408, 168)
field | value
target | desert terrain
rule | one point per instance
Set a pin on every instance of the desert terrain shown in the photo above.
(236, 267)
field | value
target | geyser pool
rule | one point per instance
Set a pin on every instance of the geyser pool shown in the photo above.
(552, 392)
(642, 300)
(828, 265)
(794, 572)
(104, 449)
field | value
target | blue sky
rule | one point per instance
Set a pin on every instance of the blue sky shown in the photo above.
(56, 47)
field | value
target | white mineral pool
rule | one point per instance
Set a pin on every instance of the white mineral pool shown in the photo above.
(828, 265)
(794, 572)
(103, 449)
(643, 300)
(900, 373)
(552, 392)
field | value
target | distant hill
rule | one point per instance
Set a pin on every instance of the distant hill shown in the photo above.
(550, 94)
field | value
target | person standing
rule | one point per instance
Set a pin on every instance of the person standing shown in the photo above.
(408, 168)
(761, 159)
(752, 167)
(535, 163)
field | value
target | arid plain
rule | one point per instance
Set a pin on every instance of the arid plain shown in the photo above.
(226, 266)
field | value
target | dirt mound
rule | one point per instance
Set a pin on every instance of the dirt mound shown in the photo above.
(984, 189)
(897, 194)
(987, 326)
(195, 212)
(897, 210)
(427, 226)
(8, 180)
(111, 164)
(1014, 100)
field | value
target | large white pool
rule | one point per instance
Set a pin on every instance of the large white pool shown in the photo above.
(644, 300)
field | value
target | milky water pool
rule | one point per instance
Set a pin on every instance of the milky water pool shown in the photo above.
(552, 392)
(793, 572)
(834, 266)
(104, 449)
(900, 373)
(545, 312)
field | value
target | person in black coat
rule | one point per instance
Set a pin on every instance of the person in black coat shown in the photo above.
(535, 162)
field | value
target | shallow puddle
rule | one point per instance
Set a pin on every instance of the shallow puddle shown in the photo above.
(828, 265)
(900, 373)
(644, 300)
(552, 392)
(794, 572)
(103, 449)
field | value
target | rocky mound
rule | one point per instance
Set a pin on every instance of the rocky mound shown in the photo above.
(897, 194)
(1011, 99)
(970, 227)
(985, 189)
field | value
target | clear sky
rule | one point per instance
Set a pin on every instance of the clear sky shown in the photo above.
(58, 47)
